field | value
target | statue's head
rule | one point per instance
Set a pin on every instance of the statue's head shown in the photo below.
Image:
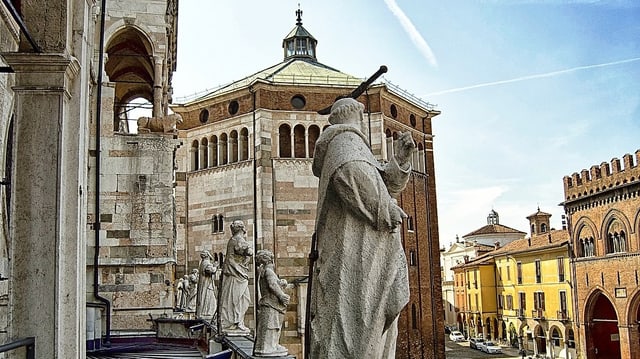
(237, 226)
(205, 254)
(264, 256)
(177, 117)
(346, 111)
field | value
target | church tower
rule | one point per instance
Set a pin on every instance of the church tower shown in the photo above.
(539, 222)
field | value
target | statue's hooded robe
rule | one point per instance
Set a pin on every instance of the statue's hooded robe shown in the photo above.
(360, 280)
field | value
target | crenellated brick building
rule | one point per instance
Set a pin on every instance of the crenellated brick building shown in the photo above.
(603, 209)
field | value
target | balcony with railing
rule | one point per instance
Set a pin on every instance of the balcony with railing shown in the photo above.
(562, 316)
(520, 313)
(537, 314)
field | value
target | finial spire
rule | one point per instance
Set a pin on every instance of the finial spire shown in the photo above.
(299, 15)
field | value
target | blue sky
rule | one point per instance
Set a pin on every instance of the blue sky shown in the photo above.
(530, 91)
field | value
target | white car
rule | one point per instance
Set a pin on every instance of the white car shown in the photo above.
(491, 347)
(456, 336)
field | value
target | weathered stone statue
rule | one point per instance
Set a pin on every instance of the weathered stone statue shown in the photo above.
(166, 124)
(271, 308)
(193, 291)
(360, 280)
(182, 289)
(206, 301)
(235, 297)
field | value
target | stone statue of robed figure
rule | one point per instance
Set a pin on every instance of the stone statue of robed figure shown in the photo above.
(360, 279)
(234, 296)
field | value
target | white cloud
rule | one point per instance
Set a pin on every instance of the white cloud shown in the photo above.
(535, 76)
(413, 33)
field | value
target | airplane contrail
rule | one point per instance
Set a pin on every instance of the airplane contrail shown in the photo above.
(531, 77)
(413, 33)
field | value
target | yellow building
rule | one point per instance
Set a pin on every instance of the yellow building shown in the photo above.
(478, 303)
(520, 294)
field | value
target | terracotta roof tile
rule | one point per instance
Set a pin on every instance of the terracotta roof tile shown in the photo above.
(493, 229)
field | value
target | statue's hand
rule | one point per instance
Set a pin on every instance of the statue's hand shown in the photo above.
(396, 215)
(403, 148)
(284, 299)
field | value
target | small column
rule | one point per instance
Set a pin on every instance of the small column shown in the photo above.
(306, 143)
(210, 157)
(157, 87)
(293, 143)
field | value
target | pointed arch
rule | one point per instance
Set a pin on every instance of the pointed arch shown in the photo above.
(585, 239)
(611, 215)
(615, 229)
(600, 311)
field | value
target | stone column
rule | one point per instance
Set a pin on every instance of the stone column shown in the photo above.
(306, 144)
(157, 87)
(48, 247)
(624, 340)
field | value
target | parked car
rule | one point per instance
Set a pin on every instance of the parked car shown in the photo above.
(473, 342)
(490, 347)
(456, 336)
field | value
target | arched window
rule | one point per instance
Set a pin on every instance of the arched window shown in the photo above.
(233, 146)
(616, 239)
(314, 133)
(543, 228)
(299, 141)
(204, 153)
(244, 144)
(421, 159)
(220, 223)
(194, 155)
(222, 150)
(533, 229)
(571, 341)
(284, 136)
(214, 150)
(214, 224)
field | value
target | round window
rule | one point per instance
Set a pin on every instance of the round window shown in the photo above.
(298, 102)
(233, 107)
(204, 116)
(394, 111)
(412, 120)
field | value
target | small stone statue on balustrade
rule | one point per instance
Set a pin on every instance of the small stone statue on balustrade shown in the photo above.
(182, 293)
(234, 292)
(207, 301)
(192, 295)
(271, 308)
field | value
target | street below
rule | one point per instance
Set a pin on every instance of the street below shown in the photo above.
(461, 350)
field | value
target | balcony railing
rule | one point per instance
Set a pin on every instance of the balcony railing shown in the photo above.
(537, 314)
(520, 313)
(562, 315)
(29, 344)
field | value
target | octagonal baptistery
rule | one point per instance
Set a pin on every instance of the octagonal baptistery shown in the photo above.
(246, 153)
